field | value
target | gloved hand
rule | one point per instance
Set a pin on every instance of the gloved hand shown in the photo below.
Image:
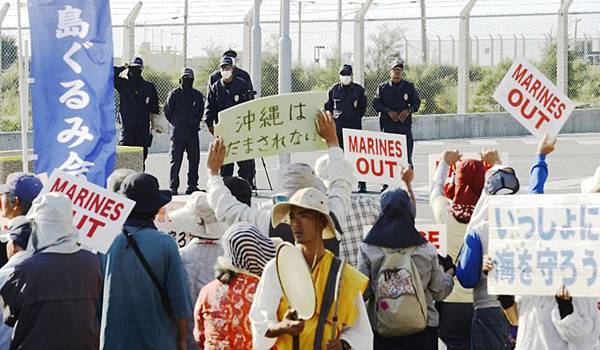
(564, 301)
(446, 262)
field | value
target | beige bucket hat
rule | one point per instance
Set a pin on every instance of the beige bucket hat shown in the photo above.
(308, 198)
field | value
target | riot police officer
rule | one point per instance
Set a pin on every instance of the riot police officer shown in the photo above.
(348, 104)
(138, 99)
(396, 100)
(237, 71)
(184, 109)
(227, 92)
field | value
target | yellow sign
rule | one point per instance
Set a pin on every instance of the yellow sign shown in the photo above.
(271, 125)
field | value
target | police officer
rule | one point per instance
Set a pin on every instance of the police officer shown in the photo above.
(238, 72)
(395, 101)
(184, 109)
(348, 104)
(227, 92)
(138, 99)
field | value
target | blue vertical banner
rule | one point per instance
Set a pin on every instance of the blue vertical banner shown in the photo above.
(72, 93)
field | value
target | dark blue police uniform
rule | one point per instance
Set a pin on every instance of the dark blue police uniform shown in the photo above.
(136, 102)
(237, 72)
(396, 98)
(222, 96)
(184, 109)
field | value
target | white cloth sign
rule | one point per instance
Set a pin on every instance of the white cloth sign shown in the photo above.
(540, 242)
(98, 213)
(376, 157)
(533, 100)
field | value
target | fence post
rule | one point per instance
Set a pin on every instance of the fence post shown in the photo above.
(285, 62)
(501, 48)
(464, 57)
(439, 50)
(585, 48)
(184, 53)
(256, 44)
(3, 11)
(562, 47)
(23, 90)
(453, 49)
(424, 41)
(247, 40)
(523, 45)
(515, 48)
(491, 50)
(129, 33)
(359, 42)
(477, 50)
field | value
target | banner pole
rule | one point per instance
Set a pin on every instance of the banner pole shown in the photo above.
(23, 86)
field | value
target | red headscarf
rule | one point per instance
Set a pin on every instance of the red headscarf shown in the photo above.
(466, 188)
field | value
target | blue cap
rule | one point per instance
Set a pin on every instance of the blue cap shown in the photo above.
(23, 186)
(397, 63)
(502, 181)
(346, 70)
(137, 62)
(226, 61)
(187, 72)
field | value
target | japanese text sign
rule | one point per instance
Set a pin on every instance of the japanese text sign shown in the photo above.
(271, 125)
(98, 213)
(72, 95)
(375, 156)
(435, 234)
(533, 100)
(540, 242)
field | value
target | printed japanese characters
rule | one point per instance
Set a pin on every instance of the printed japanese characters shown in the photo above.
(272, 125)
(540, 242)
(533, 100)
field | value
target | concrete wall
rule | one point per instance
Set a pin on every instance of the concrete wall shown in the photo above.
(426, 127)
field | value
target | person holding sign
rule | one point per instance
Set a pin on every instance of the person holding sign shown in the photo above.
(340, 321)
(184, 109)
(396, 101)
(138, 100)
(452, 205)
(347, 103)
(227, 92)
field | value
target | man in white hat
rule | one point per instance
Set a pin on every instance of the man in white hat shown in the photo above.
(295, 177)
(307, 211)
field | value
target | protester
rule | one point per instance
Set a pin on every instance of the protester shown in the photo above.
(591, 184)
(197, 219)
(16, 197)
(225, 93)
(221, 312)
(295, 177)
(363, 211)
(390, 241)
(489, 328)
(50, 298)
(137, 101)
(184, 110)
(237, 71)
(273, 323)
(114, 180)
(395, 101)
(452, 205)
(548, 323)
(145, 305)
(348, 104)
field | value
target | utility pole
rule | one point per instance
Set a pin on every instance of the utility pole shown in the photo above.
(424, 48)
(185, 33)
(285, 63)
(339, 34)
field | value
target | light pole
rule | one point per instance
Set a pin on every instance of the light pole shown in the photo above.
(185, 33)
(300, 4)
(339, 33)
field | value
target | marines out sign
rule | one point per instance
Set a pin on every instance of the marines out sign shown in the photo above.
(533, 100)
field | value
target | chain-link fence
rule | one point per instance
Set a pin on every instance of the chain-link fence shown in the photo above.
(431, 60)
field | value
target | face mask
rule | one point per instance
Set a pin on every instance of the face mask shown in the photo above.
(345, 79)
(134, 74)
(226, 74)
(187, 83)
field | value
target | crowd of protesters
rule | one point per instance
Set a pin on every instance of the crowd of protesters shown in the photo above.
(223, 290)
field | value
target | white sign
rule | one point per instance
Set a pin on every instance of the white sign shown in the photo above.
(164, 223)
(533, 100)
(98, 213)
(540, 242)
(434, 160)
(435, 234)
(376, 156)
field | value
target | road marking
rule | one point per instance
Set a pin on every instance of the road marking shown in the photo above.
(588, 142)
(483, 142)
(431, 143)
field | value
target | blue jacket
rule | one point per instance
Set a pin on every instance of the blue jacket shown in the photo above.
(468, 267)
(222, 96)
(184, 110)
(350, 103)
(396, 97)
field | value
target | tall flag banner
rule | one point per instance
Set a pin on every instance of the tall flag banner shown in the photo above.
(72, 92)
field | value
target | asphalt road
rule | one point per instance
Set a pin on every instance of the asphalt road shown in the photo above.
(576, 157)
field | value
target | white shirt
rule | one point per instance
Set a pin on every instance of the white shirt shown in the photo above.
(229, 210)
(540, 326)
(263, 314)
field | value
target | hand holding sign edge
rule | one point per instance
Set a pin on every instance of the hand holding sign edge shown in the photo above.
(326, 128)
(215, 156)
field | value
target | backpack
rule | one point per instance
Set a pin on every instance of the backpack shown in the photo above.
(401, 308)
